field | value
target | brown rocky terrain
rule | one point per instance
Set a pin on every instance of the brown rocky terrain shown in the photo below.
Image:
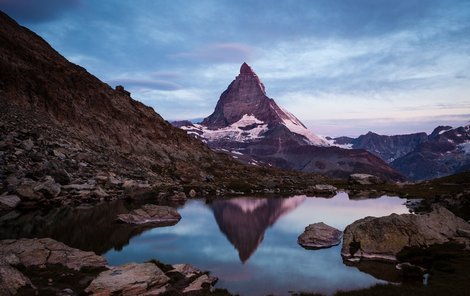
(26, 263)
(66, 136)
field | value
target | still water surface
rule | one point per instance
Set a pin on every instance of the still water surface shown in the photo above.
(250, 244)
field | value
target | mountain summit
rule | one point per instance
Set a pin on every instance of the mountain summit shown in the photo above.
(250, 126)
(245, 107)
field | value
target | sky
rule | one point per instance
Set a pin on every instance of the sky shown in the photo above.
(342, 67)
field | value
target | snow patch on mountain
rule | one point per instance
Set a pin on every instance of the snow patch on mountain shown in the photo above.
(332, 142)
(248, 128)
(295, 126)
(465, 147)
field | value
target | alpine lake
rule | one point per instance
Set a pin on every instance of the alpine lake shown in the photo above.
(250, 244)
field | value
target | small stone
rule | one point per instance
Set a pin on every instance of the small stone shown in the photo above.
(178, 197)
(58, 154)
(192, 193)
(9, 201)
(27, 144)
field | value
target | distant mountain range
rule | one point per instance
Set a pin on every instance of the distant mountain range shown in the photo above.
(419, 156)
(250, 126)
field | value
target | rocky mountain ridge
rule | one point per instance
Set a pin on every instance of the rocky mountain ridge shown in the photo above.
(418, 156)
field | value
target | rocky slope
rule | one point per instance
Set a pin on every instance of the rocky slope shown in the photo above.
(250, 126)
(64, 134)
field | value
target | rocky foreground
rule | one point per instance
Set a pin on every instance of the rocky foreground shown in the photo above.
(46, 266)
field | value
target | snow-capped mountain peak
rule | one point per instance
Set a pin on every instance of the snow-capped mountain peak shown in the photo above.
(245, 102)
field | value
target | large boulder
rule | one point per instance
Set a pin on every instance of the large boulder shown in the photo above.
(319, 235)
(40, 252)
(151, 214)
(384, 237)
(130, 279)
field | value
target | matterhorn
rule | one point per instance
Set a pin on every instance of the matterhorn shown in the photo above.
(254, 129)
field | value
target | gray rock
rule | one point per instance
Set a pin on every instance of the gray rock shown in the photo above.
(178, 197)
(384, 237)
(200, 284)
(58, 154)
(151, 214)
(79, 186)
(39, 252)
(11, 280)
(27, 144)
(26, 189)
(186, 269)
(365, 179)
(192, 193)
(319, 235)
(129, 279)
(49, 188)
(9, 201)
(325, 187)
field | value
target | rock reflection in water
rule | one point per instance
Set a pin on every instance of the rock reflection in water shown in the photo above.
(245, 220)
(86, 228)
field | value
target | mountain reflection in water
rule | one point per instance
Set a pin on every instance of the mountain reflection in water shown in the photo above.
(245, 220)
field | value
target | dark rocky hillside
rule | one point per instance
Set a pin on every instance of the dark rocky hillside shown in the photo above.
(65, 135)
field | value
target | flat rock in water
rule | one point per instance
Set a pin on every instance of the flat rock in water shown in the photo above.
(151, 214)
(319, 235)
(129, 279)
(384, 237)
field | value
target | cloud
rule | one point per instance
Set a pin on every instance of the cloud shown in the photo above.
(218, 53)
(31, 11)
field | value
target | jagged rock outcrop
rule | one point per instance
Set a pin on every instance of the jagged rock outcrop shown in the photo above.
(319, 235)
(250, 126)
(384, 237)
